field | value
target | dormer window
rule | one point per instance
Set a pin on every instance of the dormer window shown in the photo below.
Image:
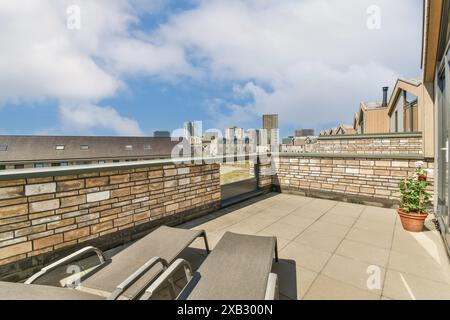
(129, 147)
(3, 147)
(147, 147)
(84, 147)
(60, 147)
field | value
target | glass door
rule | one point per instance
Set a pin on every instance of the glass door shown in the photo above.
(443, 119)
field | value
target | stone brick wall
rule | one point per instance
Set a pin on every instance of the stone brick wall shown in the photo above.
(366, 179)
(43, 214)
(369, 144)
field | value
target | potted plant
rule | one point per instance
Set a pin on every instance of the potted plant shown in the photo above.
(414, 199)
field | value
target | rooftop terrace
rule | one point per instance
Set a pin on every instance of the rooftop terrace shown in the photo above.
(326, 248)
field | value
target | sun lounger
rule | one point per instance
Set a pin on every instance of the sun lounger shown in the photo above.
(129, 272)
(21, 291)
(239, 268)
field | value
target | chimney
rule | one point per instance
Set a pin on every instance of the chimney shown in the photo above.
(385, 94)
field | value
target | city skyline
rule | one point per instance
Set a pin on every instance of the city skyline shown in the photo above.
(153, 81)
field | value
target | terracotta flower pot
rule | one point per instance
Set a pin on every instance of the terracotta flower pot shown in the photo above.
(412, 222)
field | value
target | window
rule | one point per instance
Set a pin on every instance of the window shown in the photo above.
(129, 147)
(396, 121)
(116, 161)
(38, 165)
(3, 147)
(19, 166)
(147, 147)
(84, 147)
(101, 161)
(64, 164)
(2, 167)
(60, 147)
(56, 164)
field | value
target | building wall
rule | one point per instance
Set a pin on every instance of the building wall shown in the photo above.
(368, 179)
(41, 216)
(399, 109)
(376, 121)
(369, 144)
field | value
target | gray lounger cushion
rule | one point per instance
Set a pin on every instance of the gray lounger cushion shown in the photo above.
(238, 268)
(164, 242)
(20, 291)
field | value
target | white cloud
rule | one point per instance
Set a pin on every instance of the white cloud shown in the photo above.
(85, 118)
(41, 59)
(310, 61)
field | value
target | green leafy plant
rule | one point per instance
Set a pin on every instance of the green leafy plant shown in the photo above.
(414, 195)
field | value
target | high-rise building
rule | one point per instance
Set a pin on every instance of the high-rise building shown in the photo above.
(304, 133)
(161, 134)
(270, 126)
(193, 129)
(234, 133)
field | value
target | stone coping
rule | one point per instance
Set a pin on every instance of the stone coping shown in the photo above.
(79, 169)
(353, 155)
(372, 136)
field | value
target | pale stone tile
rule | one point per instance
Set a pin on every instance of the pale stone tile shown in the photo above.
(382, 240)
(294, 281)
(428, 244)
(352, 272)
(329, 228)
(300, 222)
(363, 252)
(325, 288)
(319, 240)
(382, 215)
(374, 226)
(338, 219)
(305, 256)
(283, 230)
(402, 286)
(421, 266)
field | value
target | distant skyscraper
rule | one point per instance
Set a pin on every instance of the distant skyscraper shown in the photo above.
(270, 125)
(193, 129)
(234, 133)
(304, 132)
(161, 134)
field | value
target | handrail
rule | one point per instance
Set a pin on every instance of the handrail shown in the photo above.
(136, 276)
(65, 260)
(167, 275)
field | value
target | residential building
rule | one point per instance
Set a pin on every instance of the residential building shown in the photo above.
(345, 129)
(304, 133)
(19, 152)
(289, 141)
(373, 117)
(403, 105)
(271, 126)
(161, 134)
(233, 133)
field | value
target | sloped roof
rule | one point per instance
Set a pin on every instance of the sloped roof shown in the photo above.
(43, 148)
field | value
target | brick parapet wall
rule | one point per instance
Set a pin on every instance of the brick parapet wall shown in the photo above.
(369, 144)
(43, 214)
(358, 179)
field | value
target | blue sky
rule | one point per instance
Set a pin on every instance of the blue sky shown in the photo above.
(136, 66)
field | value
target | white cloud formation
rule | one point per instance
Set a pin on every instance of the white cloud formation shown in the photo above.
(83, 118)
(311, 61)
(41, 59)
